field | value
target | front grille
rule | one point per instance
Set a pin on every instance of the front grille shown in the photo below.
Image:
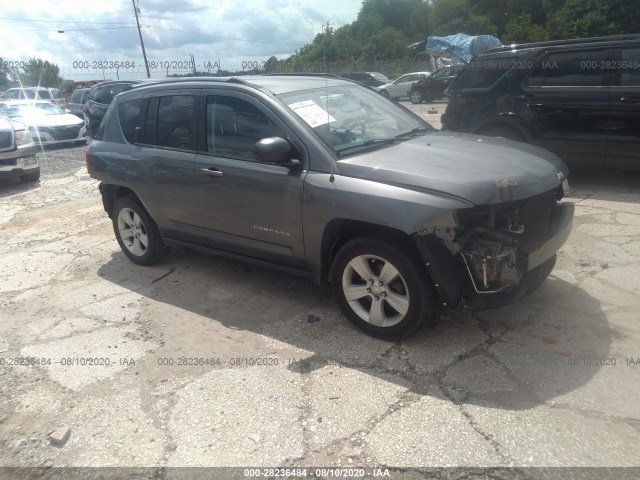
(62, 133)
(6, 140)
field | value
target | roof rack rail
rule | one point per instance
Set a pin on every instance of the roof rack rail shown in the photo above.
(570, 41)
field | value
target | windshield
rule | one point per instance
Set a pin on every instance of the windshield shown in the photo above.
(350, 119)
(379, 76)
(33, 110)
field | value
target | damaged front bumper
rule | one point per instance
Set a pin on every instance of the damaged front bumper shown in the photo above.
(501, 254)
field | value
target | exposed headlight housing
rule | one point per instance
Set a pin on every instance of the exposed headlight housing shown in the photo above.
(23, 136)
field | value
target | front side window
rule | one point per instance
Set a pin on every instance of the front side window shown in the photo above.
(113, 90)
(235, 125)
(350, 119)
(569, 69)
(99, 95)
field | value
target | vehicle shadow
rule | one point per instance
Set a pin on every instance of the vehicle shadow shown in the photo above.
(515, 358)
(13, 186)
(605, 185)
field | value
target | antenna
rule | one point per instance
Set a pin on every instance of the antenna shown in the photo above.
(326, 90)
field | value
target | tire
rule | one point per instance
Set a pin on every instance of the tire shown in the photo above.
(384, 93)
(31, 176)
(507, 133)
(416, 96)
(137, 233)
(369, 306)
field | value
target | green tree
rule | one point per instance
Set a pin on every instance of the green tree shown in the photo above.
(38, 72)
(4, 76)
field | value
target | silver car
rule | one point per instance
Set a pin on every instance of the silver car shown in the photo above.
(17, 152)
(48, 123)
(401, 87)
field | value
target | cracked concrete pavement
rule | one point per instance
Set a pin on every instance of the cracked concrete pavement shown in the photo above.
(204, 361)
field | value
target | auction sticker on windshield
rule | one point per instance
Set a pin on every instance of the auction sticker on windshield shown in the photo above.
(312, 113)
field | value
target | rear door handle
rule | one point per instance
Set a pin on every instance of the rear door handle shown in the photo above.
(528, 96)
(630, 100)
(213, 172)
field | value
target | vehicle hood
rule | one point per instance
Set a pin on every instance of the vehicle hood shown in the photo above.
(479, 170)
(5, 124)
(10, 124)
(61, 120)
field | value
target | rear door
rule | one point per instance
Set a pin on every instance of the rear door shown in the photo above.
(623, 143)
(247, 207)
(400, 88)
(162, 168)
(567, 97)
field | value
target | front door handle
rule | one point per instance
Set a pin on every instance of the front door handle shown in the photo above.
(213, 172)
(630, 100)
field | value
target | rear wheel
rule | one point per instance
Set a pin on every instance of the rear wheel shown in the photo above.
(137, 233)
(382, 288)
(416, 96)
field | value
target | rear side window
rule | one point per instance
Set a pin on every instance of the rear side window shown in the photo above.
(484, 73)
(44, 94)
(175, 119)
(569, 69)
(80, 95)
(129, 115)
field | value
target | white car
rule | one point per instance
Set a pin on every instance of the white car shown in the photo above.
(401, 87)
(33, 93)
(48, 123)
(17, 152)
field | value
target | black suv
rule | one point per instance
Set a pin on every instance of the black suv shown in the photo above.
(330, 180)
(100, 97)
(577, 98)
(78, 99)
(432, 87)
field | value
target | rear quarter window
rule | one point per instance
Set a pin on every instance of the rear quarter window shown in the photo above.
(484, 73)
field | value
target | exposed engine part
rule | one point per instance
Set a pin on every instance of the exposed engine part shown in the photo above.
(490, 261)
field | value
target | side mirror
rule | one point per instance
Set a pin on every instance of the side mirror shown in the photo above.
(274, 150)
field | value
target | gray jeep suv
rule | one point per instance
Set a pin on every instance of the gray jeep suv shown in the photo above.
(327, 179)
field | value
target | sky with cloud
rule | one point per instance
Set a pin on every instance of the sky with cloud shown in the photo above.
(86, 39)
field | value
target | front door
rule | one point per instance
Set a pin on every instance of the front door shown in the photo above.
(567, 95)
(247, 207)
(623, 144)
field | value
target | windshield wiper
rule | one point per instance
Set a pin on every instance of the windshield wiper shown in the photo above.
(410, 133)
(366, 145)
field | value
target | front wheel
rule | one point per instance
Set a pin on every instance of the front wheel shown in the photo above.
(416, 96)
(383, 289)
(136, 232)
(384, 93)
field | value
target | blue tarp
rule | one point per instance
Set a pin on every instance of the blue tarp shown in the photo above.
(461, 47)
